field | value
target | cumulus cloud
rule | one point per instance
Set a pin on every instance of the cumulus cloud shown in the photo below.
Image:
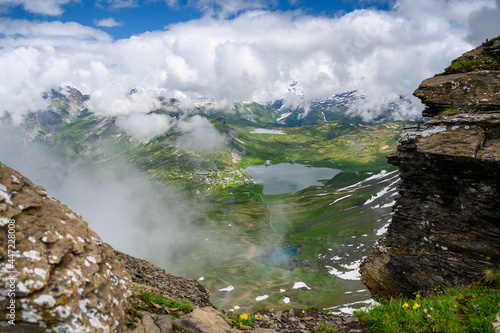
(44, 7)
(108, 22)
(254, 56)
(200, 135)
(142, 126)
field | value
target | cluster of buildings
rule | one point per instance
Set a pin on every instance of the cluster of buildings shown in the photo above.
(212, 177)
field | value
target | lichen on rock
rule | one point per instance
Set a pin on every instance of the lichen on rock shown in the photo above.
(58, 273)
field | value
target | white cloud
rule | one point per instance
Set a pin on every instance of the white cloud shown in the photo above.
(108, 22)
(44, 7)
(199, 135)
(224, 8)
(117, 3)
(143, 126)
(253, 57)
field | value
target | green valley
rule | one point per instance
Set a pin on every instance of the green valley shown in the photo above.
(253, 250)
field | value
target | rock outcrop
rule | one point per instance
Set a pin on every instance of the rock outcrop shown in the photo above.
(176, 287)
(445, 229)
(56, 274)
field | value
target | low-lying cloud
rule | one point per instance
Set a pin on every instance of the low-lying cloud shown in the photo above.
(254, 56)
(200, 135)
(150, 217)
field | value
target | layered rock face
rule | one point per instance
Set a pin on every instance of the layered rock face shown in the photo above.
(56, 274)
(446, 225)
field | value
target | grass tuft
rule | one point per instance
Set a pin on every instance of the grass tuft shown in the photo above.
(154, 298)
(471, 309)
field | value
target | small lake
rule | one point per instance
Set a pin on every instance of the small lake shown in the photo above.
(289, 178)
(266, 131)
(277, 257)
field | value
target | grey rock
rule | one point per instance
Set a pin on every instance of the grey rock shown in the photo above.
(64, 268)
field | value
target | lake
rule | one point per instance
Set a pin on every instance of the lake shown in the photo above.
(289, 178)
(266, 131)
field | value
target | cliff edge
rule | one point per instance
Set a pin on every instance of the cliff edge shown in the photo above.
(445, 229)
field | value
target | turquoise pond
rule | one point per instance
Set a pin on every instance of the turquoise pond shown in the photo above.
(278, 257)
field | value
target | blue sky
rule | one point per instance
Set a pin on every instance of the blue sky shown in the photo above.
(123, 18)
(232, 51)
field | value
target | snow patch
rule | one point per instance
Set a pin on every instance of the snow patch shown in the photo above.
(387, 205)
(298, 285)
(337, 200)
(284, 116)
(228, 288)
(384, 191)
(261, 298)
(352, 272)
(349, 308)
(383, 230)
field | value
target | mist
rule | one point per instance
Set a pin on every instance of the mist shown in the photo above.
(127, 210)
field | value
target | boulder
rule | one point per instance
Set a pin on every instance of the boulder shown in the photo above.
(206, 320)
(57, 275)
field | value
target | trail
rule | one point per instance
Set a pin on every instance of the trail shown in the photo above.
(270, 217)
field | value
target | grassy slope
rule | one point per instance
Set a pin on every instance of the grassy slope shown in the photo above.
(354, 146)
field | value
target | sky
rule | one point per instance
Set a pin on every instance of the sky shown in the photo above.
(231, 50)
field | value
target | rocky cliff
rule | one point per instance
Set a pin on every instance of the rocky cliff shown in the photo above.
(56, 274)
(445, 229)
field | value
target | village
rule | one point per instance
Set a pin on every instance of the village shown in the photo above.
(217, 177)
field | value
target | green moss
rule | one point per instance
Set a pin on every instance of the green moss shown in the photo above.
(450, 111)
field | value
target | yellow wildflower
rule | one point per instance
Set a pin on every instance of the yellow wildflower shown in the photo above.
(416, 306)
(405, 305)
(425, 311)
(258, 316)
(418, 296)
(244, 316)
